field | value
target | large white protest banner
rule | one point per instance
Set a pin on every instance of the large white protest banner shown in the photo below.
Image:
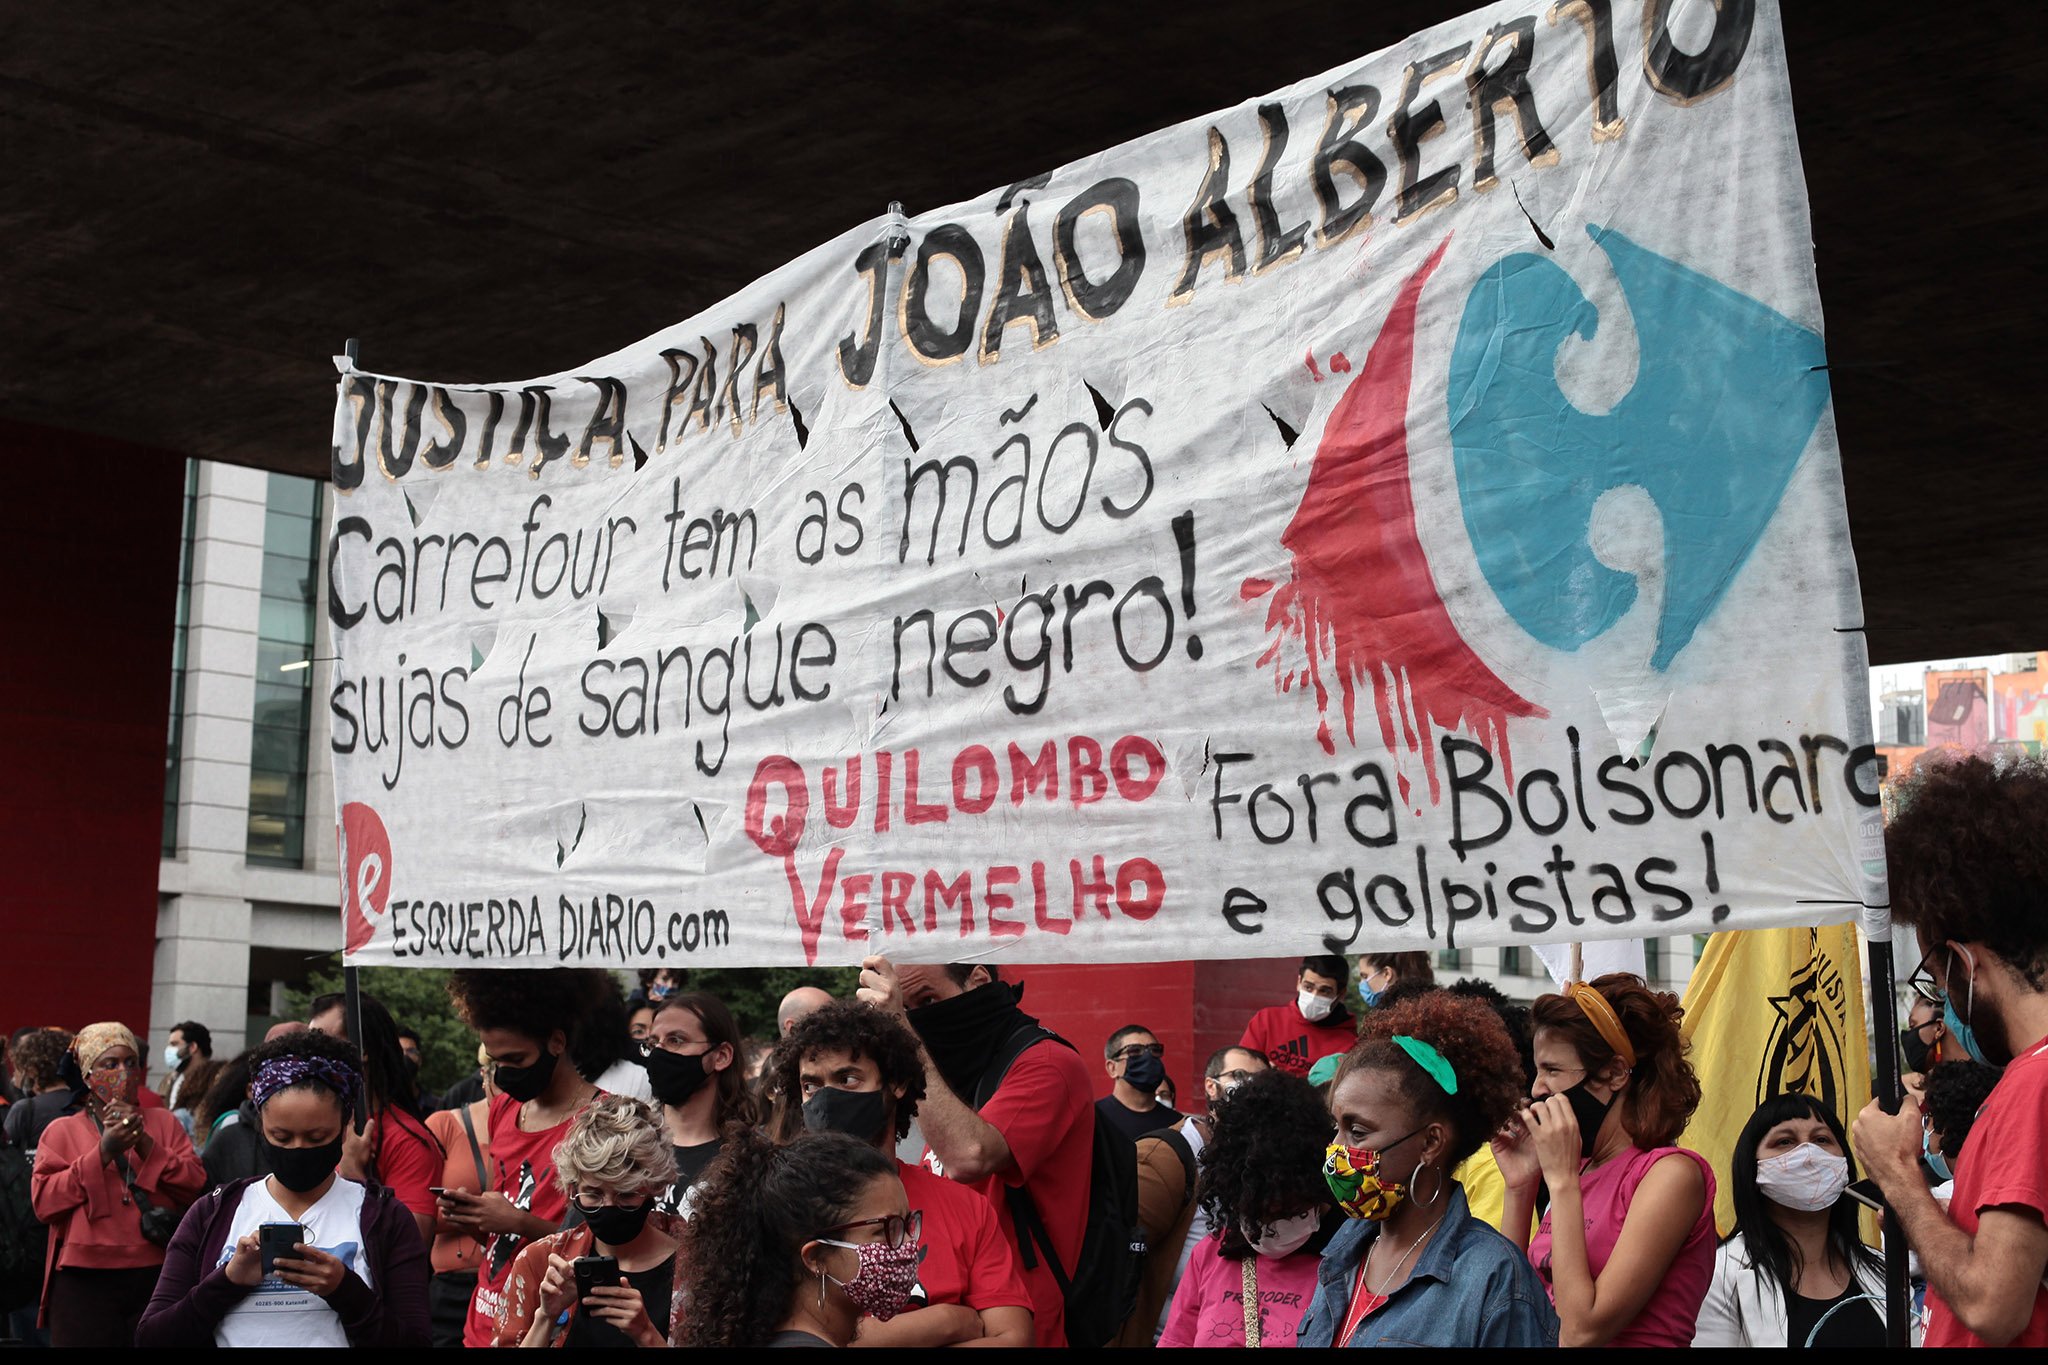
(1403, 510)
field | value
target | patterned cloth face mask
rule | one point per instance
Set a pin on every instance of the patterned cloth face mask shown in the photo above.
(1353, 1175)
(881, 1287)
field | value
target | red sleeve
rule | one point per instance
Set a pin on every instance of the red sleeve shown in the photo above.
(1045, 1093)
(408, 1161)
(2013, 1123)
(1186, 1310)
(993, 1279)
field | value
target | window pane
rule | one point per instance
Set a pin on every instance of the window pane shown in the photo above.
(288, 493)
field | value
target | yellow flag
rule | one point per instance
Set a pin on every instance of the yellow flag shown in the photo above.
(1770, 1011)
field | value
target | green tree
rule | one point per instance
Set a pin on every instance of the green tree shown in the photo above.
(418, 999)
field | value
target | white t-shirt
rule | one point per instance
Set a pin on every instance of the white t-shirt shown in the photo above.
(626, 1077)
(279, 1314)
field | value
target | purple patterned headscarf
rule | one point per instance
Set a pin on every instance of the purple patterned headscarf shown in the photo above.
(281, 1073)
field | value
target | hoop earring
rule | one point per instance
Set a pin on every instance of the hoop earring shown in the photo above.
(1415, 1179)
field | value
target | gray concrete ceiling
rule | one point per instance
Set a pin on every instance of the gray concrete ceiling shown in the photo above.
(198, 210)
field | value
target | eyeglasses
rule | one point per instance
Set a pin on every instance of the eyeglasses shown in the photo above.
(1924, 984)
(1236, 1077)
(1137, 1050)
(897, 1229)
(614, 1203)
(673, 1042)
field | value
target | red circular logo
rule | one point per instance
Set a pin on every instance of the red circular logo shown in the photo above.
(365, 873)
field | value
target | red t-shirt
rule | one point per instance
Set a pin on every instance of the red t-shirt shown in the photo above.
(1045, 1110)
(967, 1258)
(1293, 1044)
(523, 1171)
(408, 1159)
(2004, 1163)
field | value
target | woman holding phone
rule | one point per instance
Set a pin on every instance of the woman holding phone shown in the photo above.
(609, 1280)
(303, 1256)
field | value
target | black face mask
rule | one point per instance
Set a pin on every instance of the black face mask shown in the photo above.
(525, 1083)
(300, 1169)
(615, 1226)
(673, 1076)
(1590, 1113)
(963, 1034)
(856, 1113)
(1916, 1048)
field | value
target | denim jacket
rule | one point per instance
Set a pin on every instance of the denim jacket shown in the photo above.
(1471, 1288)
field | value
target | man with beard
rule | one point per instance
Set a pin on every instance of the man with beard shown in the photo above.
(1312, 1026)
(1034, 1130)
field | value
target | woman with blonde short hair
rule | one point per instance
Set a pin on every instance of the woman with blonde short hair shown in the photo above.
(611, 1164)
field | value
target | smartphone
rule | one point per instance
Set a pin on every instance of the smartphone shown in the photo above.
(592, 1271)
(438, 1191)
(1867, 1193)
(278, 1239)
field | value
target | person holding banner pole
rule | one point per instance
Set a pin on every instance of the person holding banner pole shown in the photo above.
(1969, 870)
(1627, 1245)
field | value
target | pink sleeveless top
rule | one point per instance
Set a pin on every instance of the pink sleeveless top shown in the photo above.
(1669, 1317)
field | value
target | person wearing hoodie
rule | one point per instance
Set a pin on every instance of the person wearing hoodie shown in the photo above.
(352, 1271)
(1295, 1036)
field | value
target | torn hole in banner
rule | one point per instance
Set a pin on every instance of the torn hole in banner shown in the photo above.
(611, 625)
(1190, 757)
(419, 500)
(481, 643)
(1632, 715)
(570, 824)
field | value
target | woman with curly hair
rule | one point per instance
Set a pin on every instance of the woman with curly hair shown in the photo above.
(792, 1245)
(1429, 1079)
(1262, 1188)
(352, 1272)
(527, 1020)
(612, 1164)
(1627, 1245)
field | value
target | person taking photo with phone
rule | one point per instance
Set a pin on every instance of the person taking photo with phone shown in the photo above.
(303, 1256)
(109, 1182)
(609, 1280)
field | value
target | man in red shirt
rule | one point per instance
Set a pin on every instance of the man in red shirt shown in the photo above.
(1036, 1131)
(847, 1067)
(1313, 1026)
(1969, 869)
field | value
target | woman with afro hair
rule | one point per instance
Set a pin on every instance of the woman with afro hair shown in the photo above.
(1427, 1084)
(1262, 1188)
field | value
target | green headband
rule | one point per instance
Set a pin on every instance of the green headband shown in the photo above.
(1430, 1060)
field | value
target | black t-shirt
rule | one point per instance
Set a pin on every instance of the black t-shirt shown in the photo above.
(1856, 1325)
(655, 1285)
(1135, 1125)
(792, 1337)
(690, 1163)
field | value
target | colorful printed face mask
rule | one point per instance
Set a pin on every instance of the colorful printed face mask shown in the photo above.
(882, 1286)
(122, 1083)
(1353, 1175)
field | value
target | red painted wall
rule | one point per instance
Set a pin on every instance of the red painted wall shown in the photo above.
(89, 534)
(1193, 1007)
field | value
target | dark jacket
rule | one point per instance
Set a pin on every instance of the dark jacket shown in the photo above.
(235, 1152)
(193, 1293)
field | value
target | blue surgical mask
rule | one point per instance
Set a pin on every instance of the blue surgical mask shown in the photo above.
(1370, 996)
(1936, 1162)
(1958, 1027)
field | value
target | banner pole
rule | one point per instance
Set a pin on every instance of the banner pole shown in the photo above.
(352, 1004)
(1885, 1016)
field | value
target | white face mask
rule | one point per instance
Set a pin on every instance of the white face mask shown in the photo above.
(171, 1057)
(1313, 1007)
(1805, 1178)
(1286, 1236)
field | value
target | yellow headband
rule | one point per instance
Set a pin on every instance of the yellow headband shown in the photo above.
(1605, 1021)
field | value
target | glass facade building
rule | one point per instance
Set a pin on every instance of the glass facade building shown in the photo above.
(284, 676)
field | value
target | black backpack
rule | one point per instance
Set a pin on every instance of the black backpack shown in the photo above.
(1102, 1288)
(23, 1238)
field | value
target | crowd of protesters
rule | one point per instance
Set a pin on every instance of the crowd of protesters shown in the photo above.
(926, 1164)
